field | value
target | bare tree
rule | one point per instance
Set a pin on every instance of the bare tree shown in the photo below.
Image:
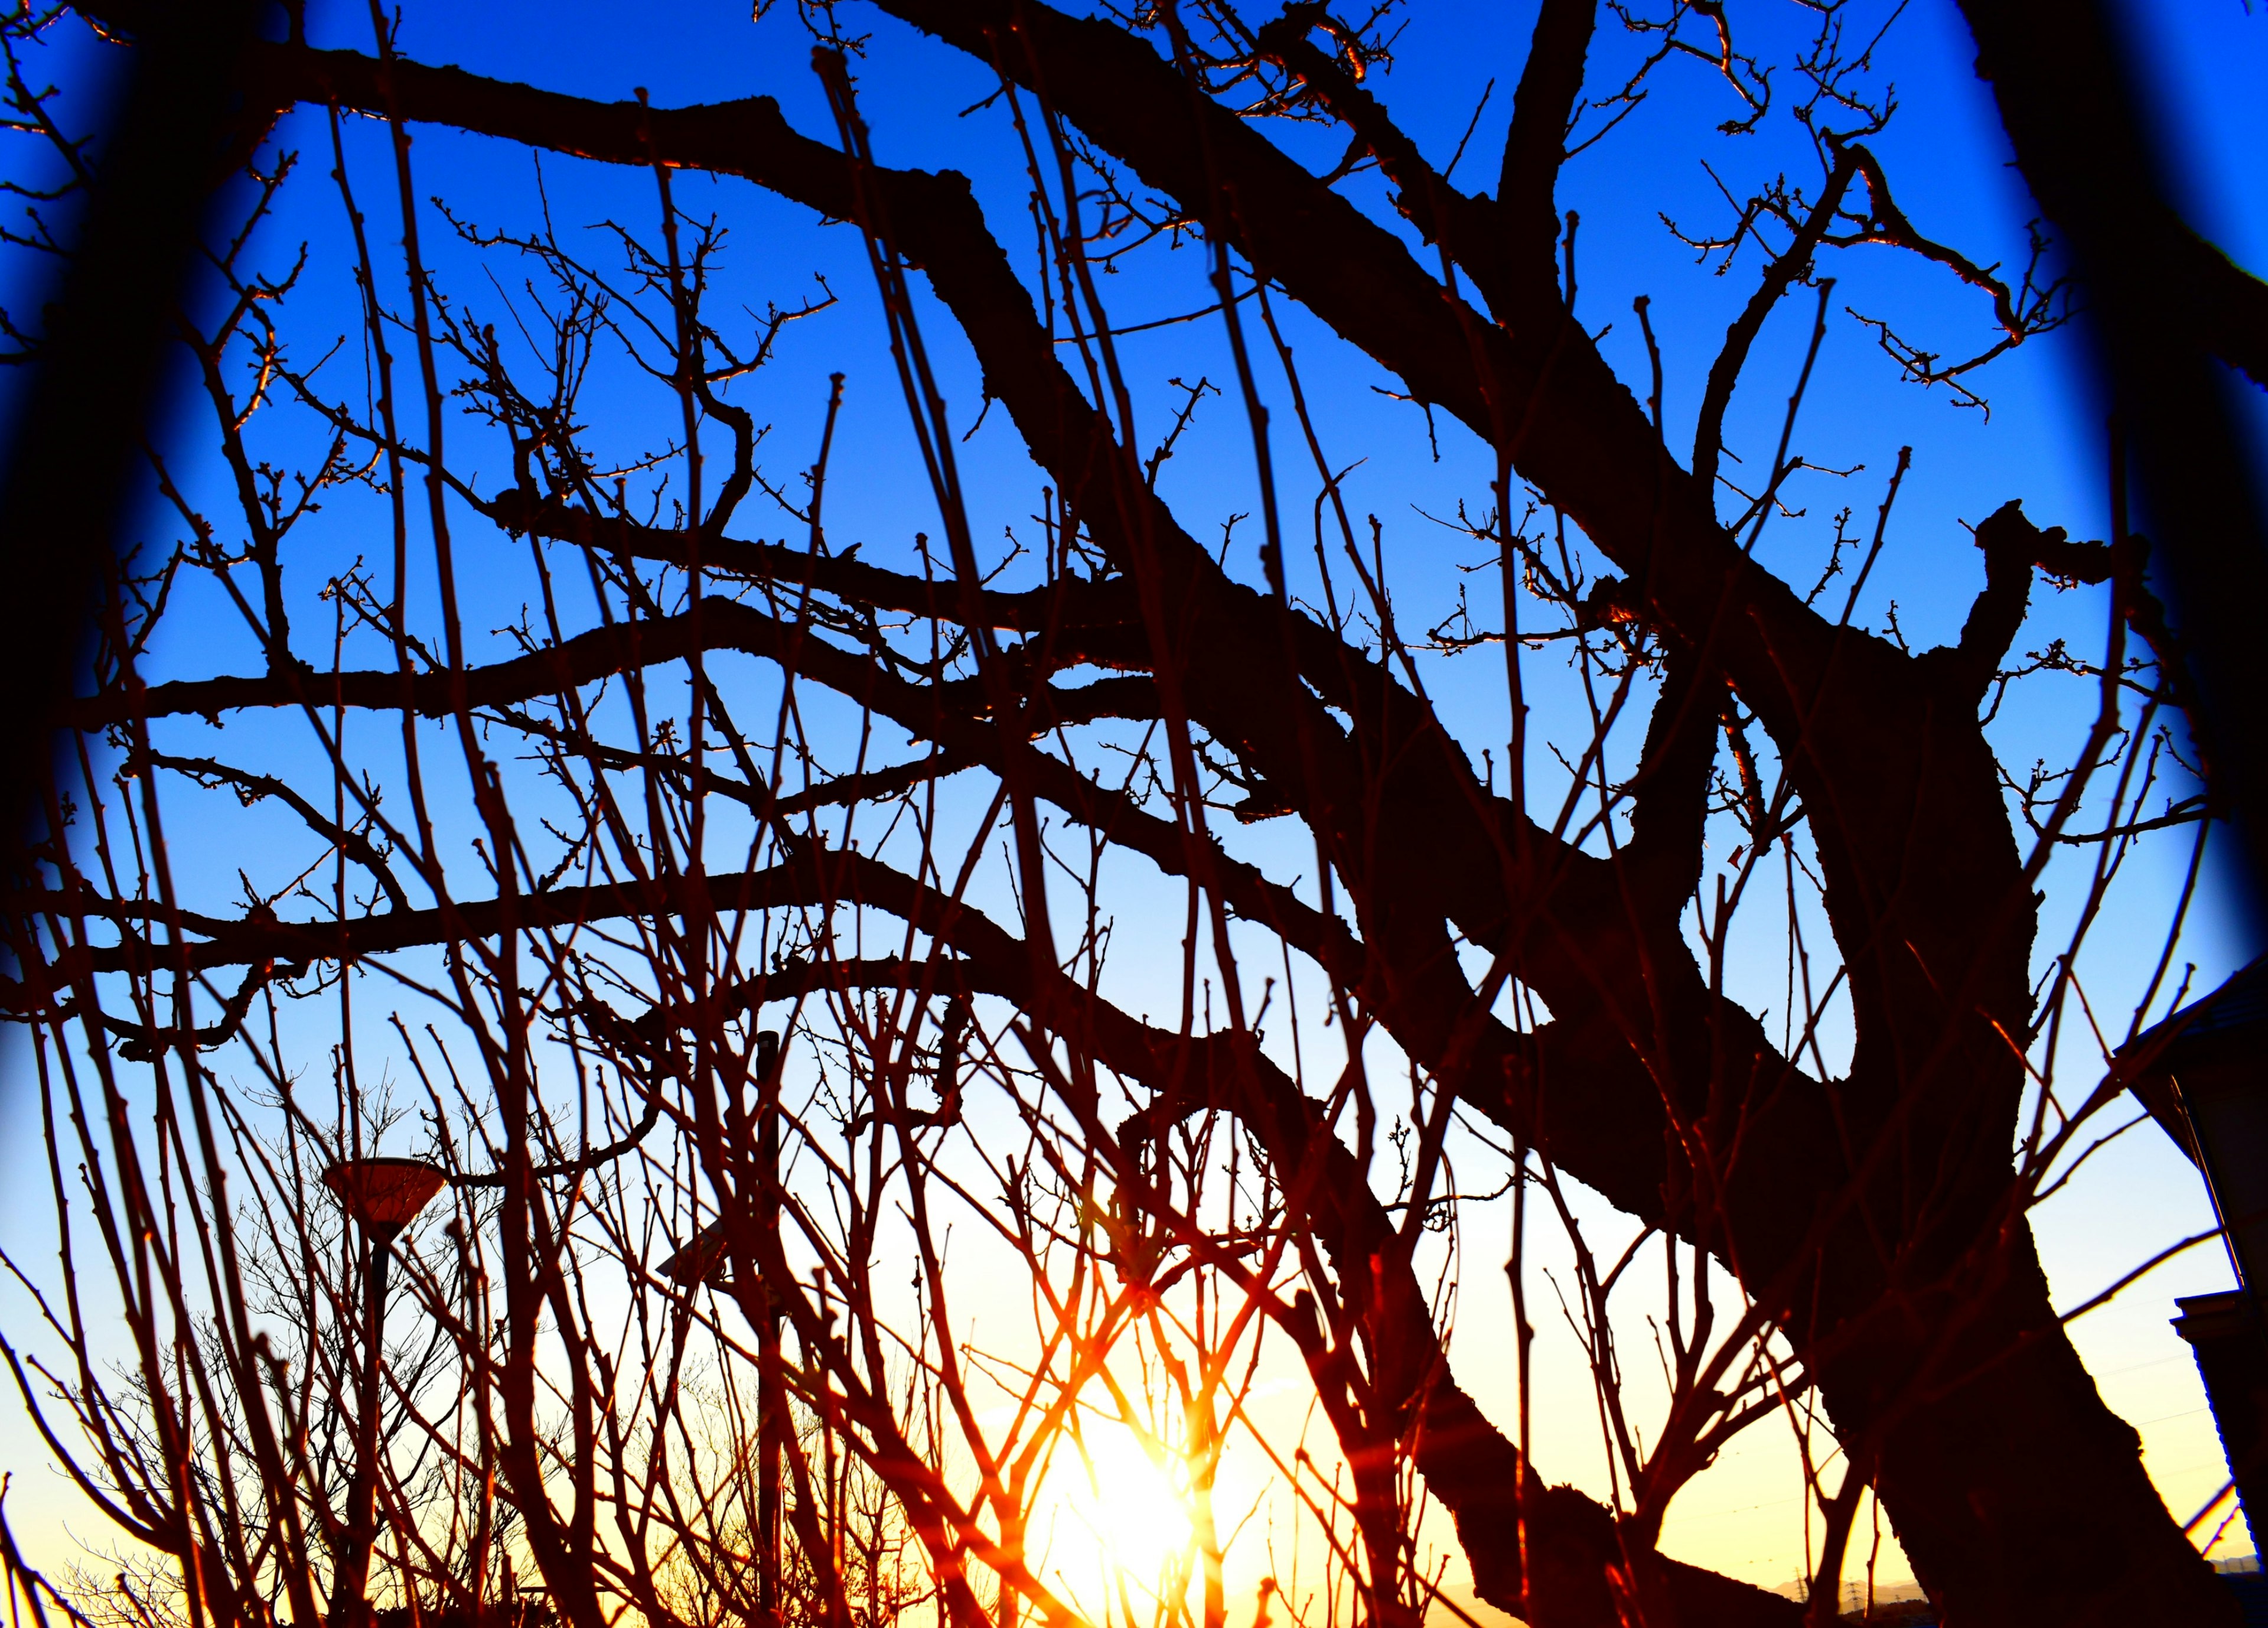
(741, 914)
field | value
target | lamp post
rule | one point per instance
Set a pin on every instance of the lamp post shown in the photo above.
(381, 1196)
(771, 1401)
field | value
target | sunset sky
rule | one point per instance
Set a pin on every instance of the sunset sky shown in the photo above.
(2208, 59)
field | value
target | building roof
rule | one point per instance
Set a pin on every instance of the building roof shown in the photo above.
(2191, 1036)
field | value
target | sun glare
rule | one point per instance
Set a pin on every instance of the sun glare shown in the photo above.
(1124, 1507)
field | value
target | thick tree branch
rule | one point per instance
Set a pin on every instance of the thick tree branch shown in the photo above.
(1443, 851)
(1535, 147)
(604, 652)
(1465, 226)
(1064, 609)
(1409, 1394)
(1670, 796)
(2013, 548)
(1567, 423)
(2168, 311)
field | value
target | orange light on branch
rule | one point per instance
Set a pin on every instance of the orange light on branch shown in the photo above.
(383, 1195)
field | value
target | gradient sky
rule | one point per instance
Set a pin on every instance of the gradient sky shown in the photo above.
(1949, 163)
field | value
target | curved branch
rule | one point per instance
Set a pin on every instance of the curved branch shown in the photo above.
(1535, 145)
(1466, 1460)
(252, 787)
(2013, 548)
(1791, 264)
(142, 1043)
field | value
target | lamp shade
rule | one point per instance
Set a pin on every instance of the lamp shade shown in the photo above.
(707, 1263)
(704, 1261)
(383, 1195)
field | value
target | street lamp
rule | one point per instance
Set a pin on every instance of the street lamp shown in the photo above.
(381, 1196)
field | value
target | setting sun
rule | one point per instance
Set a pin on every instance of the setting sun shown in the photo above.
(1127, 1510)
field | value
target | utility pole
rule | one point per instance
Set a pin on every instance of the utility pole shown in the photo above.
(772, 1405)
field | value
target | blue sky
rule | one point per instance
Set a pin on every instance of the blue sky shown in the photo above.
(1947, 163)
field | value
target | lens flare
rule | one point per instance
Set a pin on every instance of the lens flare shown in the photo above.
(1126, 1509)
